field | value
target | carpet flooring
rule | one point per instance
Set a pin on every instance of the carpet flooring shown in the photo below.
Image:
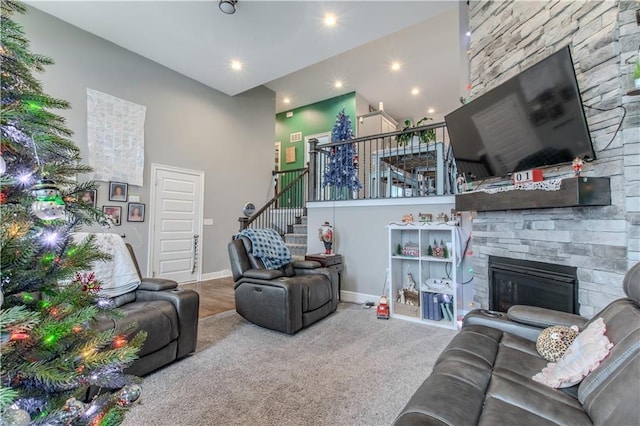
(348, 369)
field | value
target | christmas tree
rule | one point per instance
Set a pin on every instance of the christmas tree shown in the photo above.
(51, 356)
(341, 170)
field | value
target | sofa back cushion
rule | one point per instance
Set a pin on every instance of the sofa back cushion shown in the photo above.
(609, 393)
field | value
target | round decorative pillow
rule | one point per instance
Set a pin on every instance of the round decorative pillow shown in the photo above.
(554, 341)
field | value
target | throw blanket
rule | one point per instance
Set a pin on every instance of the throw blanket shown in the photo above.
(117, 276)
(268, 246)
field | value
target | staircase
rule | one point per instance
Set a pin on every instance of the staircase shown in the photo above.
(297, 240)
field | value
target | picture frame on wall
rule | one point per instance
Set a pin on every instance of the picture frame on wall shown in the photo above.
(135, 212)
(114, 213)
(89, 197)
(118, 191)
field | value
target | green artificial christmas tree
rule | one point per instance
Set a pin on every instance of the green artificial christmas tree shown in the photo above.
(51, 356)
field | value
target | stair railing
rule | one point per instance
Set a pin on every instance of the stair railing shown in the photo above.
(285, 208)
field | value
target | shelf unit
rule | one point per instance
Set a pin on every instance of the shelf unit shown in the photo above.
(437, 300)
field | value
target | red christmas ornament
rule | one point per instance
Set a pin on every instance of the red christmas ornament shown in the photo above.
(3, 197)
(120, 342)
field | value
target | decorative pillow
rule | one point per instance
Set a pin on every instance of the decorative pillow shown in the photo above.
(554, 341)
(583, 356)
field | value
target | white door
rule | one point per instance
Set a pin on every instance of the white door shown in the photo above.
(176, 217)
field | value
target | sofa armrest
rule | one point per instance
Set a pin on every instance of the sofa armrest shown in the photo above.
(542, 317)
(263, 274)
(186, 303)
(157, 284)
(306, 264)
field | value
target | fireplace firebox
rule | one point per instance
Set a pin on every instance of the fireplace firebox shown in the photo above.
(524, 282)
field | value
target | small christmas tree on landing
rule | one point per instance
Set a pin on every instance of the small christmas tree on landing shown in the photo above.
(50, 353)
(341, 170)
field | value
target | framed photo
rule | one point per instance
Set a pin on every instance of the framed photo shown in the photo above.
(118, 191)
(114, 212)
(136, 212)
(89, 197)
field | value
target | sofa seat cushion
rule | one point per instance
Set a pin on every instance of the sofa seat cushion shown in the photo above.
(316, 291)
(484, 376)
(158, 318)
(499, 412)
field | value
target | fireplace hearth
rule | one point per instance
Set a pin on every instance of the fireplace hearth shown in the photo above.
(524, 282)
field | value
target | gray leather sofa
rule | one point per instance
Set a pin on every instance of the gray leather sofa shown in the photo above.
(287, 299)
(484, 376)
(168, 314)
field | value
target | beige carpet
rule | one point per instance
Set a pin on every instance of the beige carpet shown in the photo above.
(348, 369)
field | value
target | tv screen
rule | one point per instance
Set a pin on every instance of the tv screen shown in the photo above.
(534, 119)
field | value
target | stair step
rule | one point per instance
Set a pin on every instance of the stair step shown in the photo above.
(300, 229)
(295, 238)
(303, 220)
(297, 249)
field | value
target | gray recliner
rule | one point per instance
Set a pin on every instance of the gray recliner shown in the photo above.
(286, 299)
(167, 313)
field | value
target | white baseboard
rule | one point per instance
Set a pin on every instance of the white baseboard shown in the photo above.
(353, 297)
(214, 275)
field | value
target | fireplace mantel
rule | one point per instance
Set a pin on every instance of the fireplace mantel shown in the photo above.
(574, 192)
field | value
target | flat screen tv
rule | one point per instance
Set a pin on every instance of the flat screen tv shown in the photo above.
(534, 119)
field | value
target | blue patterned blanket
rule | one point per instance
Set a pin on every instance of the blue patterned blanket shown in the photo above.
(268, 246)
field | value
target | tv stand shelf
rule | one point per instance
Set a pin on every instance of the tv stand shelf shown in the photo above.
(574, 192)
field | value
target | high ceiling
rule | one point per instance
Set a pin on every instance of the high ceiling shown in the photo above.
(285, 46)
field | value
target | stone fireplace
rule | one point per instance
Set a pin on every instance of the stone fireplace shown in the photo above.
(599, 242)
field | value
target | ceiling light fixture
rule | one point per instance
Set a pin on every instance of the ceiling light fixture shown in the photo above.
(338, 84)
(228, 6)
(415, 91)
(395, 66)
(431, 110)
(468, 33)
(330, 20)
(286, 100)
(236, 65)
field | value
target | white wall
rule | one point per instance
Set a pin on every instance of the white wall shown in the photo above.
(187, 125)
(360, 236)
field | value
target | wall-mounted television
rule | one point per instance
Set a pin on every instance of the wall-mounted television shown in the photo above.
(532, 120)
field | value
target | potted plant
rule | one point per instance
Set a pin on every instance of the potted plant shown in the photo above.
(422, 135)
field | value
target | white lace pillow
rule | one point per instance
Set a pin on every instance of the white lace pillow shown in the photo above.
(583, 356)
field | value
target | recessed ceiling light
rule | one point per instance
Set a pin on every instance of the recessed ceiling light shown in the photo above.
(286, 100)
(338, 84)
(468, 34)
(431, 110)
(330, 20)
(236, 65)
(395, 66)
(415, 91)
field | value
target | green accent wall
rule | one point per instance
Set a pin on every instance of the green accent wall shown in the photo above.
(311, 120)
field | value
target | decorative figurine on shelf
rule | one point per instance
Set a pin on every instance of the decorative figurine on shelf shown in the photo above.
(411, 283)
(425, 217)
(399, 249)
(325, 234)
(407, 218)
(411, 249)
(577, 166)
(438, 250)
(461, 182)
